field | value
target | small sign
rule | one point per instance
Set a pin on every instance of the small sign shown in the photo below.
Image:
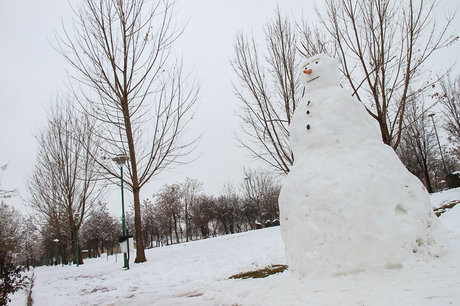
(124, 243)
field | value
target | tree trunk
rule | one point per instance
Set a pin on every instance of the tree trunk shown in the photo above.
(170, 230)
(140, 254)
(175, 228)
(427, 177)
(73, 244)
(187, 231)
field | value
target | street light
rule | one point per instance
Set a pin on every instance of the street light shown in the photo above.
(57, 242)
(55, 255)
(77, 216)
(121, 159)
(439, 144)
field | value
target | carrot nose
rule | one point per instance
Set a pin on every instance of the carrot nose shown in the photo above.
(307, 71)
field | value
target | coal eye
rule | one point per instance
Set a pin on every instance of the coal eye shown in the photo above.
(316, 62)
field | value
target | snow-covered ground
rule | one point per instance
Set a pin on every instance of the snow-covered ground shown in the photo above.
(441, 198)
(196, 273)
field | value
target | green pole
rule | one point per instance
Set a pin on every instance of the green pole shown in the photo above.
(125, 256)
(78, 256)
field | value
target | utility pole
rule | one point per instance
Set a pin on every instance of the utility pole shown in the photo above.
(121, 160)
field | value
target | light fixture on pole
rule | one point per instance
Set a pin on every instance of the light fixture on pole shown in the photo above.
(439, 144)
(57, 242)
(121, 159)
(55, 255)
(77, 216)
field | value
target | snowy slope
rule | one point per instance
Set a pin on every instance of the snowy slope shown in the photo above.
(197, 273)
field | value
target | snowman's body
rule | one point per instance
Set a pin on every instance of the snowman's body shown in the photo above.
(348, 204)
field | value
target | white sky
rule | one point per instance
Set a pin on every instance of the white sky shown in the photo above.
(32, 73)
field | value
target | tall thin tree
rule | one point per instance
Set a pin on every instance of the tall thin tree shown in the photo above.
(418, 149)
(189, 194)
(121, 55)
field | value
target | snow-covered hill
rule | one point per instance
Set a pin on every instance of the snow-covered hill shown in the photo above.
(196, 273)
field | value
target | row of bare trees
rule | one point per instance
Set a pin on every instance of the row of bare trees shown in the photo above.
(177, 213)
(64, 187)
(27, 241)
(181, 212)
(100, 232)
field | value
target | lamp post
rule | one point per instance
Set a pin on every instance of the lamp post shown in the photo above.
(57, 242)
(439, 144)
(121, 159)
(77, 216)
(55, 255)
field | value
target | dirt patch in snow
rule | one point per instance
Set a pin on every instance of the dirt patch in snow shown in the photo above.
(260, 273)
(440, 210)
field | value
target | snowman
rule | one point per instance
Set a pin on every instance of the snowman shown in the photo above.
(348, 204)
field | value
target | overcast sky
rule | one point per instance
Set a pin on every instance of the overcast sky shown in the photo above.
(32, 73)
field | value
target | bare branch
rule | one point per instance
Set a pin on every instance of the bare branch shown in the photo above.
(268, 90)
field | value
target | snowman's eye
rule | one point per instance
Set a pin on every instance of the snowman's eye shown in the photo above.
(316, 62)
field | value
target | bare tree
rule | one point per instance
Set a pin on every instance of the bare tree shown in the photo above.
(229, 210)
(63, 187)
(268, 89)
(100, 231)
(261, 191)
(150, 224)
(120, 53)
(383, 46)
(30, 242)
(169, 199)
(189, 189)
(450, 100)
(202, 213)
(418, 150)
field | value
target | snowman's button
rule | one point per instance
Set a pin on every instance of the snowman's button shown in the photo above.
(308, 126)
(308, 112)
(308, 103)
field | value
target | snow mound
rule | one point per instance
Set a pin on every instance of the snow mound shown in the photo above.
(348, 203)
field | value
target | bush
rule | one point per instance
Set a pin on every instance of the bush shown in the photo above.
(453, 180)
(11, 279)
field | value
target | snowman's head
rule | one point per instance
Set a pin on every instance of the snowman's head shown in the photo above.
(320, 70)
